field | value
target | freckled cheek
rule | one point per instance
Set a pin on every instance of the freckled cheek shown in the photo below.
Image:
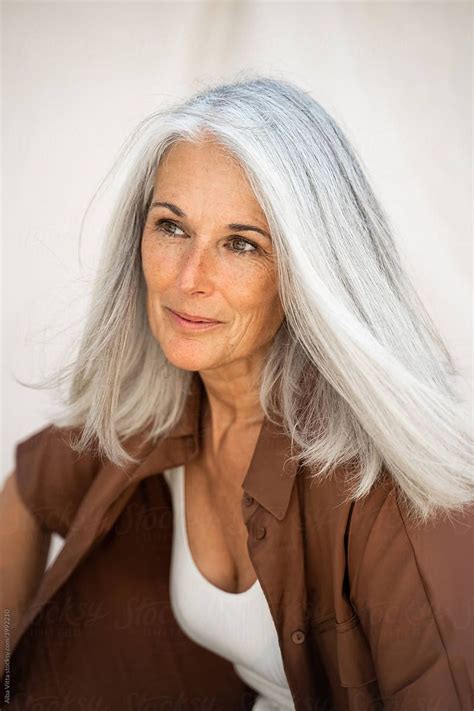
(254, 297)
(159, 272)
(156, 281)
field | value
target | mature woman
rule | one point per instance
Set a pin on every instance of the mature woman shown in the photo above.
(263, 476)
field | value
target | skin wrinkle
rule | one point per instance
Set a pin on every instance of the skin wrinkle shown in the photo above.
(199, 272)
(180, 213)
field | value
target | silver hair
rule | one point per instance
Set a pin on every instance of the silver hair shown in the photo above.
(357, 373)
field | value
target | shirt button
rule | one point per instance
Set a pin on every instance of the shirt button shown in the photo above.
(260, 532)
(248, 500)
(298, 636)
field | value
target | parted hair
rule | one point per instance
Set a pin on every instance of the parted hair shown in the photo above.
(357, 371)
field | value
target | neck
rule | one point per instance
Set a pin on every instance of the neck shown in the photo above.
(232, 409)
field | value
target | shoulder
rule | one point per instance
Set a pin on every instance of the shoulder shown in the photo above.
(381, 526)
(51, 477)
(412, 587)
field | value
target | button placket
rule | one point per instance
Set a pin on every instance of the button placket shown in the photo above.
(298, 636)
(248, 507)
(260, 532)
(247, 499)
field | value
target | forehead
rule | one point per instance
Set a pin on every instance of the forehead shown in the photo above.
(205, 174)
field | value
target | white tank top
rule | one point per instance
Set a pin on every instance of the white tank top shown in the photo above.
(236, 626)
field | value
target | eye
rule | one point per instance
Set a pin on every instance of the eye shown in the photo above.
(238, 245)
(161, 226)
(242, 246)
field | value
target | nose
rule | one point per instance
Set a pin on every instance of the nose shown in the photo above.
(196, 269)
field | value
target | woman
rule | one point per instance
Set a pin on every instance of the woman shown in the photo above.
(271, 506)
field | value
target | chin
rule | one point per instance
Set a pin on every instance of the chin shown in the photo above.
(189, 357)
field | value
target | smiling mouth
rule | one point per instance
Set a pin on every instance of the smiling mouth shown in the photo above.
(193, 323)
(194, 319)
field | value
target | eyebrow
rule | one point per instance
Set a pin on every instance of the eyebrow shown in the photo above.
(236, 226)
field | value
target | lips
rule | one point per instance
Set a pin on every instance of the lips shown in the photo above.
(192, 318)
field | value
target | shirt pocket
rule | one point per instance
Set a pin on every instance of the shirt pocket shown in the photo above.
(345, 652)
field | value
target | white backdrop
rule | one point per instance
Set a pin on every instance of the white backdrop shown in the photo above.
(78, 77)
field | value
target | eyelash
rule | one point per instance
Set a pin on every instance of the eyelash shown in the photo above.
(159, 226)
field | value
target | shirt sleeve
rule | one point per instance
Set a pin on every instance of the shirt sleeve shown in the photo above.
(52, 478)
(412, 588)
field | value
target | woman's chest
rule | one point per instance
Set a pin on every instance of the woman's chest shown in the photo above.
(118, 598)
(217, 536)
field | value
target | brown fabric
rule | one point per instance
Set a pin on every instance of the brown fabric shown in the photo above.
(371, 613)
(48, 450)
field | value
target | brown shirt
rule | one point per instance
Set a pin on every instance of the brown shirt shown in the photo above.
(371, 613)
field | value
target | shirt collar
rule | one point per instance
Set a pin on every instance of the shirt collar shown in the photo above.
(271, 473)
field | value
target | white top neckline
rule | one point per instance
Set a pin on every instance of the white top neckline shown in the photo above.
(225, 593)
(236, 626)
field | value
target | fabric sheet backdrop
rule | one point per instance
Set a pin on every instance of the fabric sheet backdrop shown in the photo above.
(78, 76)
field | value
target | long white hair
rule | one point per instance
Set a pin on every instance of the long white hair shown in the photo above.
(356, 373)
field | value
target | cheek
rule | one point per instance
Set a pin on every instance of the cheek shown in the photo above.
(156, 280)
(158, 270)
(253, 293)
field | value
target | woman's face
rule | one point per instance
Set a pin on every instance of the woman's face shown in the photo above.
(208, 261)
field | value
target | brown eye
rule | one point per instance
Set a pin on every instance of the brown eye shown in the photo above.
(162, 226)
(242, 246)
